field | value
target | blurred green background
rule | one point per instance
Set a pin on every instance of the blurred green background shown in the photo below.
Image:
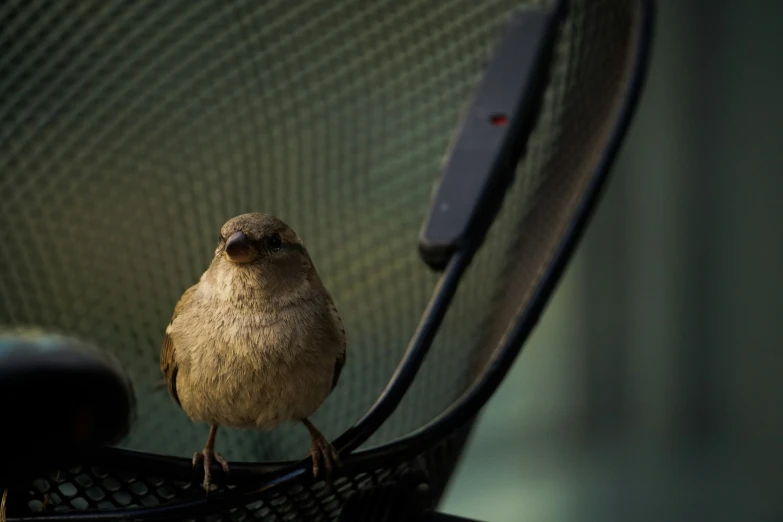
(651, 388)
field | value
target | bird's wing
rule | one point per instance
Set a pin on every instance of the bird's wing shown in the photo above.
(340, 361)
(168, 361)
(334, 317)
(338, 367)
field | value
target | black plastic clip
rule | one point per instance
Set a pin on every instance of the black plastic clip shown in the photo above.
(492, 136)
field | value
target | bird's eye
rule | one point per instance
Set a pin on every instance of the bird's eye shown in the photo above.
(275, 243)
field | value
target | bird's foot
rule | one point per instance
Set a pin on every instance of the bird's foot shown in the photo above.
(322, 452)
(207, 456)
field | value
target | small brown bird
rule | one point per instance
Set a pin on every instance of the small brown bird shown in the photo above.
(257, 341)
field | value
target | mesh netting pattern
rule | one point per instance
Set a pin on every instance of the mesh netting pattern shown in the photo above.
(93, 487)
(129, 132)
(132, 131)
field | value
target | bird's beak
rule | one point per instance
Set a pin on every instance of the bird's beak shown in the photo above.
(239, 250)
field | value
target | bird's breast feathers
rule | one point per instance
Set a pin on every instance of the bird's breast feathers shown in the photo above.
(244, 368)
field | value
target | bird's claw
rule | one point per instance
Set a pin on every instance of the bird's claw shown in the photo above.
(322, 452)
(208, 456)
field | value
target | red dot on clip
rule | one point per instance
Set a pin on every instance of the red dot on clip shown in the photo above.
(499, 120)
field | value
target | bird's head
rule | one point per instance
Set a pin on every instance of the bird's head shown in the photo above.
(264, 248)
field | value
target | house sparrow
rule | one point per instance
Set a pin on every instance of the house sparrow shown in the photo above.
(257, 341)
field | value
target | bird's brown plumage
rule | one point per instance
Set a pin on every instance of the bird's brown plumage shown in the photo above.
(258, 340)
(168, 363)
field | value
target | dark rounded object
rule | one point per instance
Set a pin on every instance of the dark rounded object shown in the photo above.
(61, 398)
